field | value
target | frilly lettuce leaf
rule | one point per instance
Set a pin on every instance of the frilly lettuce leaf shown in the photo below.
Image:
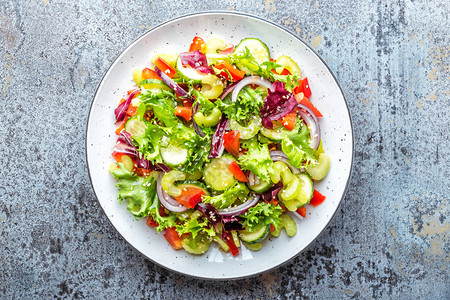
(257, 159)
(262, 214)
(228, 197)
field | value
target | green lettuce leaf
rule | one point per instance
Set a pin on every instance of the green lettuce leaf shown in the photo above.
(194, 226)
(163, 105)
(260, 215)
(296, 146)
(257, 159)
(228, 197)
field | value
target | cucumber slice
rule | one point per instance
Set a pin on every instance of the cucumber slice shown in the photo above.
(153, 84)
(135, 127)
(217, 175)
(127, 163)
(258, 49)
(320, 170)
(289, 224)
(307, 188)
(253, 247)
(288, 63)
(253, 237)
(275, 135)
(197, 245)
(260, 187)
(249, 131)
(214, 58)
(173, 155)
(189, 73)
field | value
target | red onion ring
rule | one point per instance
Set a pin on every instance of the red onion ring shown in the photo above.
(172, 84)
(253, 179)
(240, 209)
(228, 90)
(165, 199)
(250, 80)
(277, 155)
(121, 110)
(313, 124)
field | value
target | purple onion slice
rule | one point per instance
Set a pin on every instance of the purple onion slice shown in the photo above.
(240, 209)
(250, 80)
(166, 200)
(121, 110)
(313, 124)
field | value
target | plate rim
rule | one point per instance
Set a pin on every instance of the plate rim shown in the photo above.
(218, 12)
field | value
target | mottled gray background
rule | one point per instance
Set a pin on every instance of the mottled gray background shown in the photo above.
(390, 238)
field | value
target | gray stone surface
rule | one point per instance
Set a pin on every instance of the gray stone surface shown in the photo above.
(390, 238)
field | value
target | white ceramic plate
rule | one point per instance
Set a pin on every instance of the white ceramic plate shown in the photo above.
(176, 36)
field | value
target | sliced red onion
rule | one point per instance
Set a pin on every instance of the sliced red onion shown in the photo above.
(313, 125)
(217, 138)
(197, 129)
(210, 212)
(272, 193)
(277, 155)
(125, 149)
(165, 199)
(121, 110)
(250, 80)
(228, 90)
(253, 179)
(172, 84)
(240, 209)
(162, 167)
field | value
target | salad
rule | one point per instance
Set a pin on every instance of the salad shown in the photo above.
(219, 144)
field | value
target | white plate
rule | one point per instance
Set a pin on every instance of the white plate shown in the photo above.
(176, 36)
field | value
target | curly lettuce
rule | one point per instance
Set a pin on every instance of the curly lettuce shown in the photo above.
(194, 226)
(262, 214)
(296, 146)
(257, 159)
(228, 197)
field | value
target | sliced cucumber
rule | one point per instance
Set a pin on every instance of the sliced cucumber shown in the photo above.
(275, 135)
(173, 155)
(307, 188)
(261, 187)
(288, 63)
(154, 84)
(135, 127)
(127, 162)
(320, 170)
(217, 175)
(189, 73)
(214, 58)
(258, 49)
(197, 245)
(214, 45)
(249, 131)
(253, 247)
(253, 237)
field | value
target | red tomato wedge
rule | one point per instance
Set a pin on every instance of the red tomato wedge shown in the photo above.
(165, 67)
(150, 222)
(231, 142)
(184, 112)
(190, 196)
(237, 172)
(288, 121)
(149, 74)
(317, 198)
(173, 238)
(131, 111)
(118, 156)
(302, 211)
(198, 44)
(235, 72)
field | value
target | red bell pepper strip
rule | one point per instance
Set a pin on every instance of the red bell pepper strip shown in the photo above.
(303, 87)
(235, 72)
(165, 67)
(230, 242)
(233, 167)
(317, 198)
(307, 103)
(149, 74)
(198, 44)
(190, 197)
(302, 211)
(184, 112)
(118, 156)
(288, 121)
(173, 238)
(231, 142)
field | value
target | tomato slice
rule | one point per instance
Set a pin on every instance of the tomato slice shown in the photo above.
(190, 196)
(198, 44)
(118, 156)
(165, 67)
(288, 121)
(173, 238)
(230, 242)
(131, 111)
(231, 142)
(150, 222)
(141, 172)
(149, 74)
(317, 198)
(302, 211)
(235, 72)
(184, 112)
(237, 172)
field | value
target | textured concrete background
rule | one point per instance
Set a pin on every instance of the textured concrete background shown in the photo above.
(390, 238)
